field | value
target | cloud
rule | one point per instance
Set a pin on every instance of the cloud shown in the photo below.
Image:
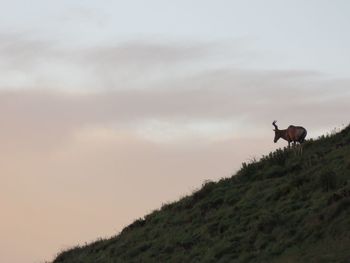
(28, 63)
(36, 63)
(247, 98)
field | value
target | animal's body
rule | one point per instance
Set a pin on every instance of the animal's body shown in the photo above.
(291, 134)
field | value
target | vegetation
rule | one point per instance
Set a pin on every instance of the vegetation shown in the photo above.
(285, 207)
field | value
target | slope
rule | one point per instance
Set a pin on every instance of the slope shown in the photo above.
(282, 208)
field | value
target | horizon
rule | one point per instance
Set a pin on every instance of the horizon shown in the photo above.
(110, 109)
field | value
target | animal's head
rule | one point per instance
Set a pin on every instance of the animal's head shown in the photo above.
(277, 133)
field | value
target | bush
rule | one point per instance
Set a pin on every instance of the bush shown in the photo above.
(249, 169)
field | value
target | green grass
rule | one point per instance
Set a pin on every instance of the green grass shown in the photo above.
(281, 208)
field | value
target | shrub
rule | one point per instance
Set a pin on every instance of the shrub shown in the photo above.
(207, 187)
(249, 169)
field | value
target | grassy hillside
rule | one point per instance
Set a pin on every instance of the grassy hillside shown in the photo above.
(282, 208)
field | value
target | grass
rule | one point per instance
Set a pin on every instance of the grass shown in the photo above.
(281, 208)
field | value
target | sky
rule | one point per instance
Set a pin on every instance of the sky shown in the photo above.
(109, 109)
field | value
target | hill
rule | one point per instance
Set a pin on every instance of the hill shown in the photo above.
(282, 208)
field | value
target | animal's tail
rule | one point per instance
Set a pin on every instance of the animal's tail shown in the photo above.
(303, 136)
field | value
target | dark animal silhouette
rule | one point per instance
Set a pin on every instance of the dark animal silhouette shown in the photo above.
(292, 134)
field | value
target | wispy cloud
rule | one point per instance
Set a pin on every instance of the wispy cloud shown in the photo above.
(28, 63)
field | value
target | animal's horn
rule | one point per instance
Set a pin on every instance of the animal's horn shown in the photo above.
(274, 124)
